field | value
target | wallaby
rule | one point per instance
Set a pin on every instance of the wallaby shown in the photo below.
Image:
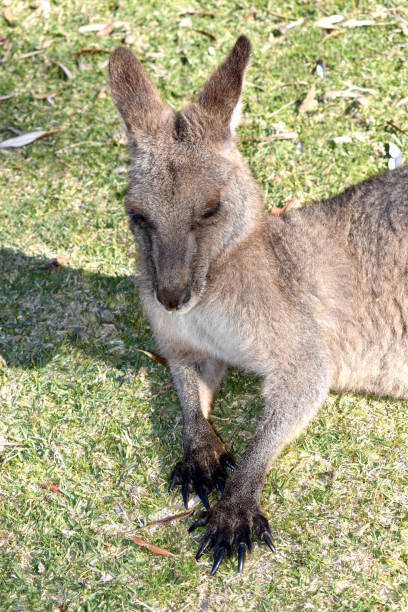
(312, 300)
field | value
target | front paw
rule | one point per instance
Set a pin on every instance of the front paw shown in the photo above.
(231, 525)
(202, 469)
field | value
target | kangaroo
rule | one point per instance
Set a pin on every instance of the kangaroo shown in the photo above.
(312, 300)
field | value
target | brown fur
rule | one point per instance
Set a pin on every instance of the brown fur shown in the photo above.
(312, 300)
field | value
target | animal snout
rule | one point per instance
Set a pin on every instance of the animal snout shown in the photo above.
(173, 298)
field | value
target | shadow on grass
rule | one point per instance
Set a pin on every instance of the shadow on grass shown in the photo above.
(43, 307)
(45, 311)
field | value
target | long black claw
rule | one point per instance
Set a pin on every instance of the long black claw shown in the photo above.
(203, 496)
(185, 495)
(241, 556)
(173, 483)
(200, 522)
(217, 560)
(221, 486)
(203, 547)
(267, 539)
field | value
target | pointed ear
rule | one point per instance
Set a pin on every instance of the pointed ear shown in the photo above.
(220, 96)
(133, 93)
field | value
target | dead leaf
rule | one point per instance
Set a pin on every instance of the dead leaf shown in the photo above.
(294, 24)
(152, 547)
(108, 29)
(169, 519)
(7, 96)
(102, 93)
(341, 139)
(332, 94)
(277, 212)
(3, 41)
(280, 136)
(310, 101)
(55, 262)
(205, 33)
(8, 16)
(359, 23)
(49, 486)
(333, 34)
(328, 23)
(65, 70)
(25, 139)
(32, 53)
(44, 96)
(351, 92)
(155, 358)
(92, 27)
(89, 51)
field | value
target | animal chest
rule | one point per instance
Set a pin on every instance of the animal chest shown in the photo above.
(203, 330)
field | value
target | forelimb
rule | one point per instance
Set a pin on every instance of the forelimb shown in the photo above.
(292, 398)
(205, 459)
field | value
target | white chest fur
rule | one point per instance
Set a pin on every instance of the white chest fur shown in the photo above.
(206, 328)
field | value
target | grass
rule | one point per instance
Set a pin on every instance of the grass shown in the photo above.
(83, 411)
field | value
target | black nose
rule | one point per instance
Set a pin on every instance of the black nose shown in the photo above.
(173, 298)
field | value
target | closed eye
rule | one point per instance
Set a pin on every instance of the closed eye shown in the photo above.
(212, 211)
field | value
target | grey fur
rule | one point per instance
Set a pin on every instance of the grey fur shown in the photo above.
(313, 300)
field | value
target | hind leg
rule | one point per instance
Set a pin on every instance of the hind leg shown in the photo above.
(392, 379)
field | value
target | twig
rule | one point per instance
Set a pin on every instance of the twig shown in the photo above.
(392, 124)
(205, 33)
(167, 519)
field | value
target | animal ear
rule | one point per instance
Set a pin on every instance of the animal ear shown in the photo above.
(133, 93)
(220, 96)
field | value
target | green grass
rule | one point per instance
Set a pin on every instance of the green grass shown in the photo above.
(83, 410)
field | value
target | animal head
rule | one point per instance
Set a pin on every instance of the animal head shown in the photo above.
(191, 196)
